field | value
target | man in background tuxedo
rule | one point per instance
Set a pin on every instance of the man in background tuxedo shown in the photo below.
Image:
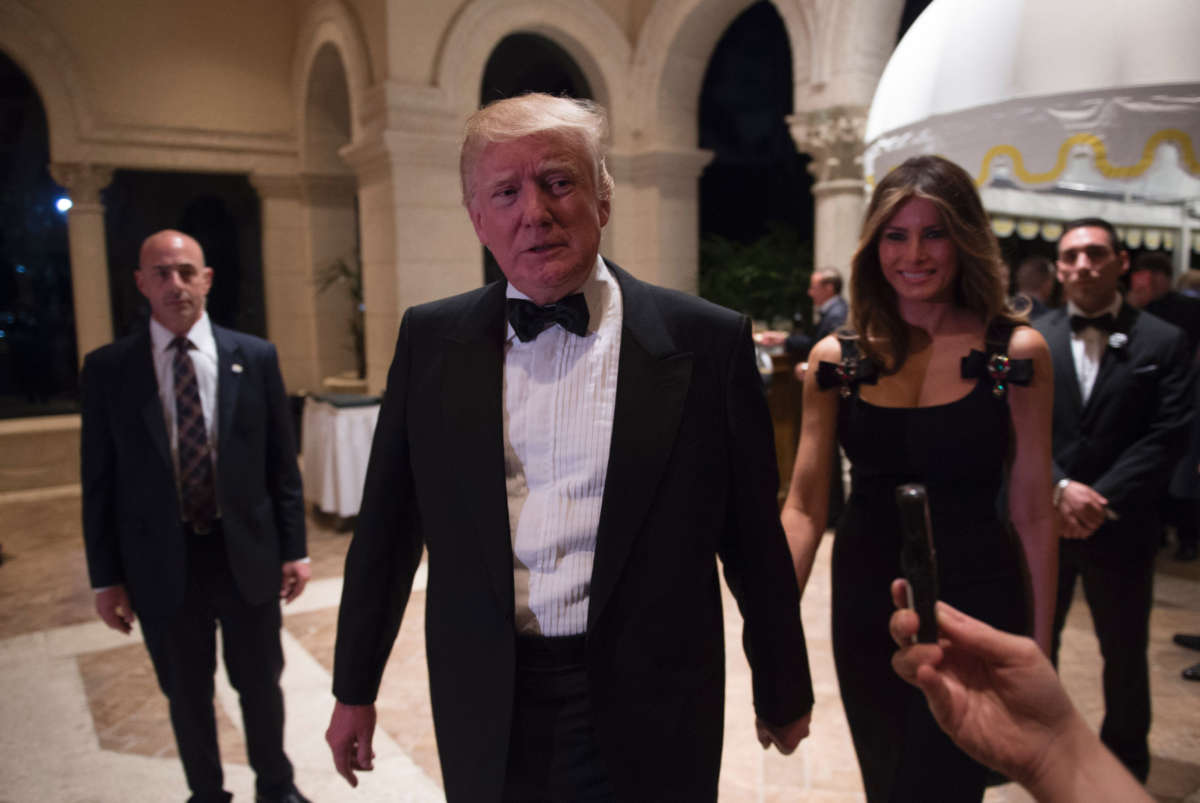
(572, 472)
(1150, 290)
(193, 512)
(1121, 416)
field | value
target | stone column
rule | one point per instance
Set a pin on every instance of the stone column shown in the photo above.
(834, 138)
(332, 227)
(288, 288)
(416, 239)
(654, 230)
(89, 252)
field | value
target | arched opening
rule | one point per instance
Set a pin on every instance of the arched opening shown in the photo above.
(331, 205)
(37, 316)
(525, 62)
(220, 210)
(756, 205)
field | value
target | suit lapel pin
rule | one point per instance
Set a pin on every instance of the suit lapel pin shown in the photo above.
(236, 367)
(1117, 340)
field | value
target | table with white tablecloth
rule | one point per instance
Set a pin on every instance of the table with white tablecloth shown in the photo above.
(337, 431)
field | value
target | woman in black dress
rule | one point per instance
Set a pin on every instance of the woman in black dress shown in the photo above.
(938, 382)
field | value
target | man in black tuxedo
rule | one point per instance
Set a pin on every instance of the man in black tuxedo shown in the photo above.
(1121, 416)
(193, 512)
(1150, 290)
(572, 473)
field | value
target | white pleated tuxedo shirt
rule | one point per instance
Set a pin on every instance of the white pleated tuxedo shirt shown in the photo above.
(560, 391)
(1087, 348)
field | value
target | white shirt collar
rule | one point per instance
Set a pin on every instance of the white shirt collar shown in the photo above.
(596, 287)
(200, 335)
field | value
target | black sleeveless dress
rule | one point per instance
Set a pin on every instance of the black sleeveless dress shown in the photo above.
(959, 452)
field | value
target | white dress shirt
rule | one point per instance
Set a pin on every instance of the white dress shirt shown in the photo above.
(1087, 347)
(560, 391)
(204, 358)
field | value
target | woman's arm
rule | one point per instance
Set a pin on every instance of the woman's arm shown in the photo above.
(1030, 478)
(807, 504)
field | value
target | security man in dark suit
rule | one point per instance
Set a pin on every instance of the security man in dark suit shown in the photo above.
(193, 512)
(573, 448)
(1121, 417)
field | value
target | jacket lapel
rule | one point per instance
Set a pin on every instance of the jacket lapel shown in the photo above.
(471, 396)
(1111, 357)
(142, 386)
(1066, 381)
(229, 382)
(652, 385)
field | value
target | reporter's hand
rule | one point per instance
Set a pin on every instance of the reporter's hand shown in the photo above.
(113, 606)
(295, 575)
(785, 737)
(351, 728)
(1082, 510)
(995, 694)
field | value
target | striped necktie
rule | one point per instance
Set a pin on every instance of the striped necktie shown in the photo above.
(196, 486)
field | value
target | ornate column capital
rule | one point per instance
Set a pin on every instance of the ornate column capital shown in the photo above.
(84, 181)
(672, 171)
(834, 138)
(276, 185)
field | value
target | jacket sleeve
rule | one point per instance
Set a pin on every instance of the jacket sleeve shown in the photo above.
(386, 549)
(98, 471)
(754, 551)
(1143, 469)
(283, 476)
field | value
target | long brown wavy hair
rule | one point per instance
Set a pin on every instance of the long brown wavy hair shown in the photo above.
(981, 283)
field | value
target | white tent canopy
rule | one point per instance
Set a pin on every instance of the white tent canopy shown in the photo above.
(1058, 108)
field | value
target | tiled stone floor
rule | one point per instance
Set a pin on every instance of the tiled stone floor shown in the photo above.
(81, 718)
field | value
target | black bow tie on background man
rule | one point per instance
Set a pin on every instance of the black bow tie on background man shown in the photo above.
(1105, 323)
(528, 319)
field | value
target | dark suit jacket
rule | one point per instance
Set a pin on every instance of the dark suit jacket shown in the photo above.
(1181, 310)
(691, 475)
(131, 518)
(798, 344)
(1124, 442)
(832, 319)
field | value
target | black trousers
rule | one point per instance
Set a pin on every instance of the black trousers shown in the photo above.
(1120, 596)
(183, 649)
(552, 755)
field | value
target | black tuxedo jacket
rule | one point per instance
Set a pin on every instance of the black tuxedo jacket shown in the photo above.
(131, 518)
(1124, 442)
(691, 475)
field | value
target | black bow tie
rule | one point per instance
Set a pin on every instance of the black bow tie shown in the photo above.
(1105, 323)
(528, 319)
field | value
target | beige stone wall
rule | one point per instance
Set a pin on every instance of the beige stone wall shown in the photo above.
(222, 65)
(326, 101)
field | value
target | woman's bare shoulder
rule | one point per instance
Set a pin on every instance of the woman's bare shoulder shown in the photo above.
(1028, 343)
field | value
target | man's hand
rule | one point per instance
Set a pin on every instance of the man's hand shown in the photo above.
(784, 737)
(349, 737)
(295, 578)
(113, 606)
(1082, 509)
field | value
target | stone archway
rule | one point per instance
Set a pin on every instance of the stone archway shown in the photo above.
(50, 66)
(838, 52)
(328, 189)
